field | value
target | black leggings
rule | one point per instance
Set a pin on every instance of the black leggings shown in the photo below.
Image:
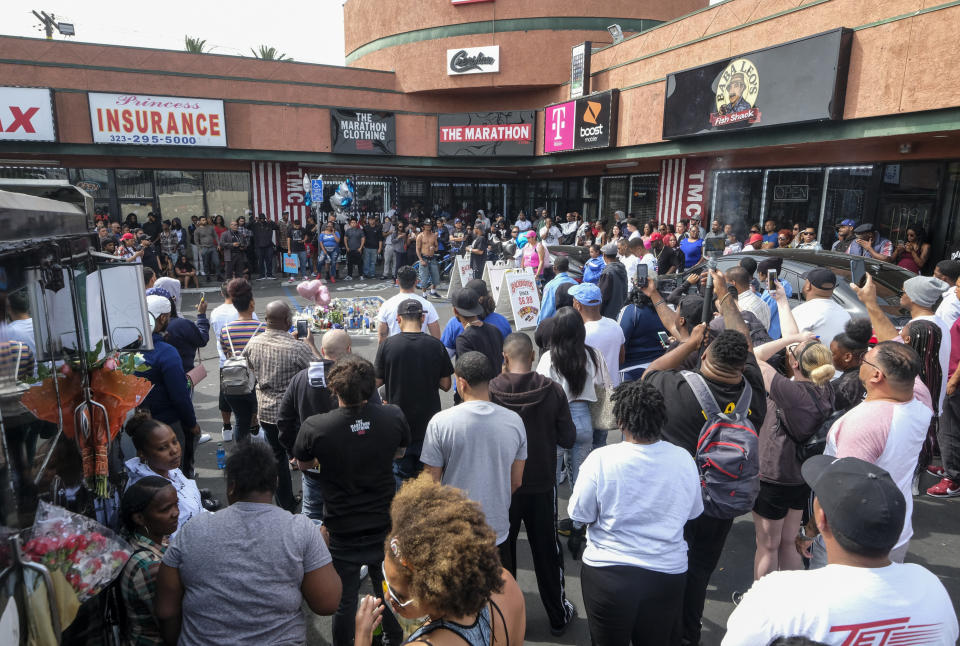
(628, 604)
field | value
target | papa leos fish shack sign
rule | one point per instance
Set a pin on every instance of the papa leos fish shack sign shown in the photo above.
(156, 120)
(521, 286)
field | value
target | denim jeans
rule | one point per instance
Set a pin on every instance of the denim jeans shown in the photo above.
(302, 261)
(244, 407)
(312, 498)
(369, 262)
(409, 466)
(429, 273)
(389, 261)
(322, 261)
(284, 493)
(265, 260)
(580, 412)
(210, 262)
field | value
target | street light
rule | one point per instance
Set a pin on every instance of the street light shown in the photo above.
(616, 33)
(49, 22)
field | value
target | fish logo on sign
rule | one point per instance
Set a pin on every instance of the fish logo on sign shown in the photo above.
(592, 113)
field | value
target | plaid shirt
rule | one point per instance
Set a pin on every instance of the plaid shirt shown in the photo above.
(275, 357)
(138, 587)
(169, 243)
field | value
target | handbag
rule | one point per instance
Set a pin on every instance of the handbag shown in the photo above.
(601, 410)
(198, 373)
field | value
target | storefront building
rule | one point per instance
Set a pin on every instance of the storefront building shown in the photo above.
(800, 111)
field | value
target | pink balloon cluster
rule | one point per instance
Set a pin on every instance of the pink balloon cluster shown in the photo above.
(314, 291)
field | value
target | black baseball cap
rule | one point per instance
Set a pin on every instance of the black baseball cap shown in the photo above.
(478, 286)
(861, 500)
(410, 307)
(467, 303)
(821, 278)
(864, 229)
(691, 308)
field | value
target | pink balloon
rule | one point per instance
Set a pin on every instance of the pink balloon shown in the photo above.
(308, 289)
(322, 297)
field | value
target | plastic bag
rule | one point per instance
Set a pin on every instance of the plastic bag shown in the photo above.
(88, 554)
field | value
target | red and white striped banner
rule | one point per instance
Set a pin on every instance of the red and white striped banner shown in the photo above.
(278, 187)
(683, 190)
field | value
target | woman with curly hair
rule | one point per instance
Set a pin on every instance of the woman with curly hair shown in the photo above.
(635, 498)
(443, 570)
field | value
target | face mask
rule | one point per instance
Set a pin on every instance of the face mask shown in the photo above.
(409, 626)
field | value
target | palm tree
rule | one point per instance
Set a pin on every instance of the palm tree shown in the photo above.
(269, 54)
(194, 45)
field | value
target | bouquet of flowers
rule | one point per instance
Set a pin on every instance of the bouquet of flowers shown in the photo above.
(87, 554)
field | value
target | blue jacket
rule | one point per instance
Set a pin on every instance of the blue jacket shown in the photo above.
(169, 399)
(548, 307)
(592, 269)
(453, 329)
(187, 337)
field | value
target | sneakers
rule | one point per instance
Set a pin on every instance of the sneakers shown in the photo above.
(559, 632)
(946, 488)
(564, 527)
(348, 277)
(934, 470)
(226, 434)
(425, 294)
(435, 294)
(333, 279)
(290, 280)
(204, 438)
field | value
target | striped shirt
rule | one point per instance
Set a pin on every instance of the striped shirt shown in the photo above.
(138, 587)
(239, 334)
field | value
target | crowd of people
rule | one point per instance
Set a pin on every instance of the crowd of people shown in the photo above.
(716, 404)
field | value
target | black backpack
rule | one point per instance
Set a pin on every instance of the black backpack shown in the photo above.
(816, 443)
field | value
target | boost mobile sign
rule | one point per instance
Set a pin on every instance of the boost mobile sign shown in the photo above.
(584, 124)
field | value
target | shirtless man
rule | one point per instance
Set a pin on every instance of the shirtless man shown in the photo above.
(427, 254)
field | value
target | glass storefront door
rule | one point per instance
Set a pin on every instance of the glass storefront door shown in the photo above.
(614, 195)
(846, 195)
(737, 195)
(791, 196)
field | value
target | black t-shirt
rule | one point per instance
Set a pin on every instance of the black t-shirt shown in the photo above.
(296, 239)
(374, 235)
(478, 259)
(411, 365)
(684, 415)
(356, 450)
(486, 339)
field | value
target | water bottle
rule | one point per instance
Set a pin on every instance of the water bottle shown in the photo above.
(221, 456)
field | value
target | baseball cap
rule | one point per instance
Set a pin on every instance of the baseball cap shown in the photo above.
(609, 249)
(848, 223)
(128, 236)
(586, 294)
(655, 236)
(861, 500)
(821, 278)
(158, 305)
(410, 307)
(925, 290)
(477, 286)
(755, 237)
(691, 308)
(467, 303)
(864, 229)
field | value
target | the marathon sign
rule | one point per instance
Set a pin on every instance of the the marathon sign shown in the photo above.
(486, 134)
(26, 114)
(356, 132)
(156, 120)
(473, 60)
(589, 122)
(798, 82)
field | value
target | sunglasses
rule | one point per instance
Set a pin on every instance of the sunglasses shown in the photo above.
(870, 363)
(796, 228)
(809, 233)
(389, 593)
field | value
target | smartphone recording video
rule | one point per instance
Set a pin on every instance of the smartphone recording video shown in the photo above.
(858, 272)
(772, 280)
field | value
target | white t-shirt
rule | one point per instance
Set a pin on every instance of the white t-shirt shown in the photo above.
(550, 237)
(219, 317)
(476, 444)
(902, 603)
(606, 336)
(945, 345)
(823, 317)
(546, 368)
(523, 225)
(388, 312)
(630, 264)
(636, 498)
(889, 435)
(949, 309)
(652, 265)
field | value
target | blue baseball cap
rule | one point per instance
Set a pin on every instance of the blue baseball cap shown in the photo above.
(586, 294)
(848, 223)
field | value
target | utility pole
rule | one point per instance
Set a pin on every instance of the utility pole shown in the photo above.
(50, 23)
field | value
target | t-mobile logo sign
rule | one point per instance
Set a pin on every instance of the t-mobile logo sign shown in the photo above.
(560, 120)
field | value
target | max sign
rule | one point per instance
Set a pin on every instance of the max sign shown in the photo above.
(26, 114)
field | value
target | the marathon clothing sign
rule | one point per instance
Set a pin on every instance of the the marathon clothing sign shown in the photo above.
(486, 134)
(473, 60)
(801, 81)
(26, 114)
(356, 132)
(156, 120)
(589, 122)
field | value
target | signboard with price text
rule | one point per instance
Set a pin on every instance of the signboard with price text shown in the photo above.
(144, 119)
(521, 287)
